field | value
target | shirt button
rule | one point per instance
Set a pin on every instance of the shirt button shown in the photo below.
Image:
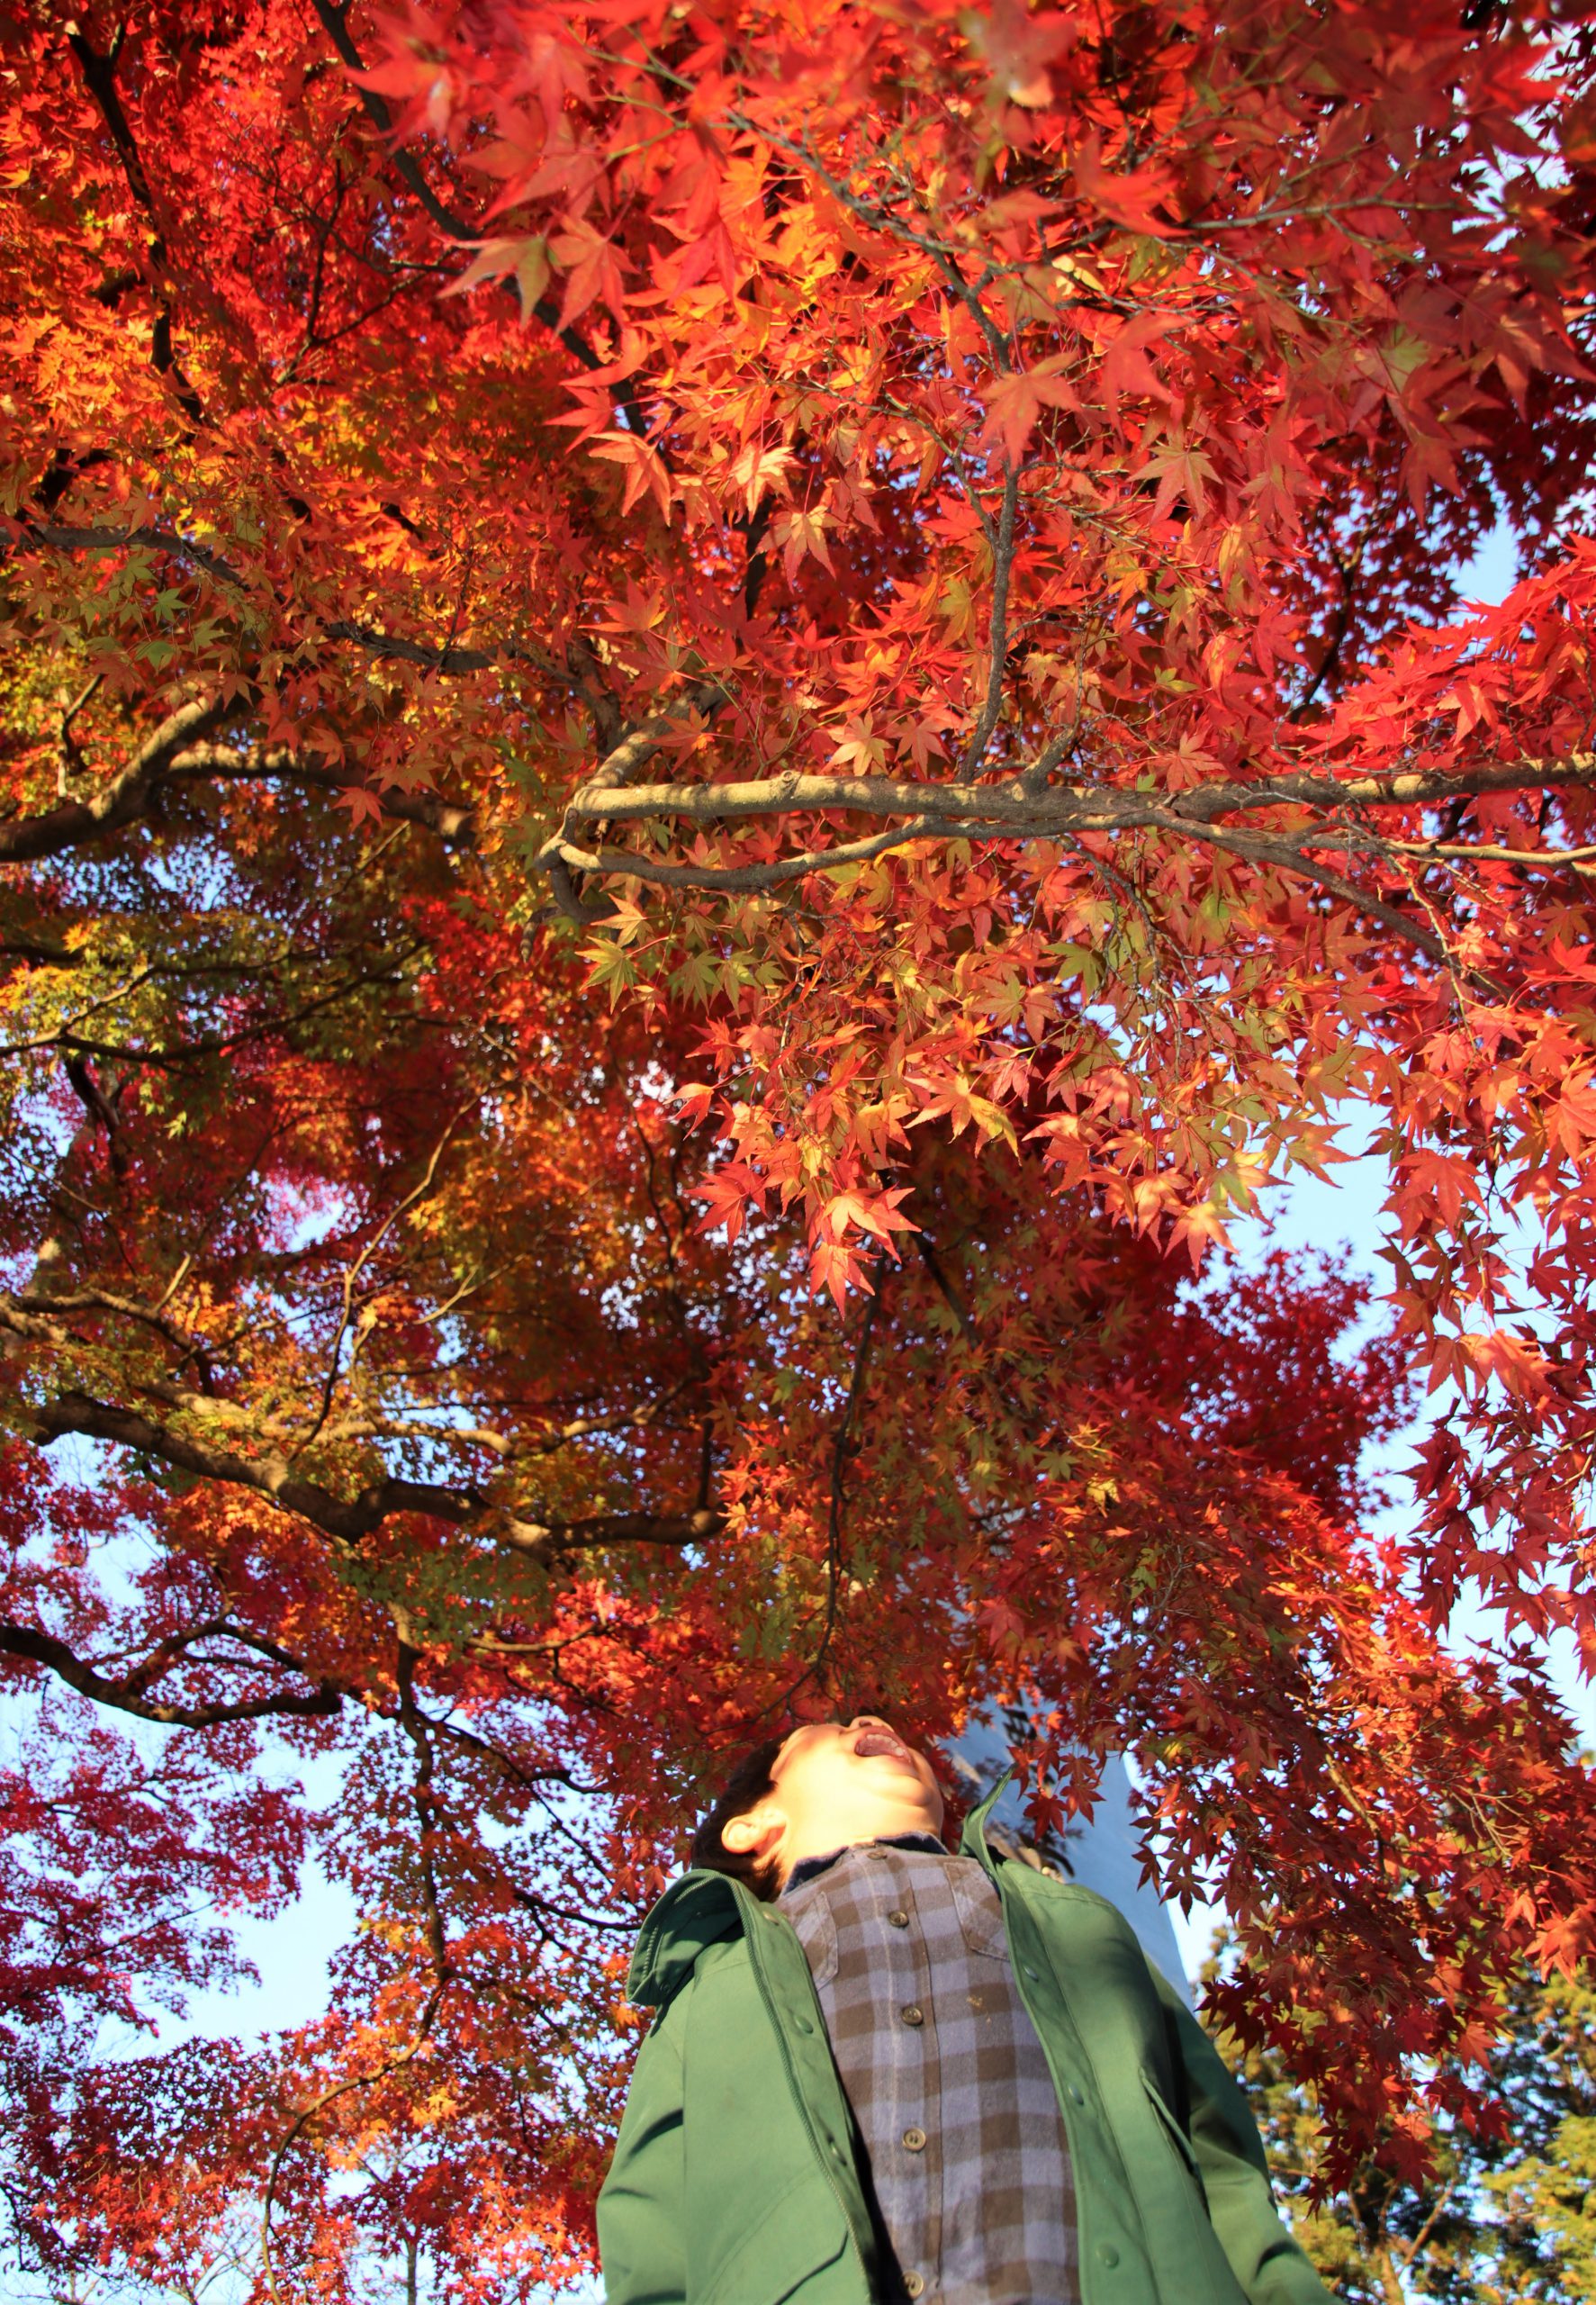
(879, 1855)
(913, 2014)
(1108, 2254)
(898, 1917)
(914, 2139)
(913, 2283)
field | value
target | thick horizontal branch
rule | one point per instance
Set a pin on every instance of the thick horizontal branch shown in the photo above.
(1285, 857)
(1021, 809)
(349, 1521)
(393, 647)
(168, 758)
(19, 535)
(548, 1541)
(453, 821)
(35, 1314)
(25, 839)
(1014, 808)
(39, 1316)
(744, 880)
(129, 1693)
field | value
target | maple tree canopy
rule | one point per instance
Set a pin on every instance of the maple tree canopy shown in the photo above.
(718, 716)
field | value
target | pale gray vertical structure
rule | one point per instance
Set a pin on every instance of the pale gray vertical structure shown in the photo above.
(1102, 1854)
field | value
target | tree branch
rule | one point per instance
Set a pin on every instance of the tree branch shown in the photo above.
(349, 1521)
(127, 795)
(99, 75)
(453, 821)
(1002, 562)
(1014, 811)
(128, 1693)
(424, 1800)
(334, 17)
(844, 1447)
(388, 647)
(1017, 810)
(60, 829)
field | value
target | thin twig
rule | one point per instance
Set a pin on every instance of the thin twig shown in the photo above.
(842, 1449)
(418, 1193)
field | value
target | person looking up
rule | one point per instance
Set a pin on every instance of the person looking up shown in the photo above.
(881, 2072)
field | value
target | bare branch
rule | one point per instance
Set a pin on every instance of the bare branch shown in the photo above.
(71, 761)
(626, 759)
(418, 1193)
(1462, 852)
(424, 1799)
(843, 1449)
(1287, 856)
(453, 821)
(745, 878)
(27, 1301)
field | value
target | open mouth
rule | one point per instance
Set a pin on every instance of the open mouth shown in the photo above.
(882, 1743)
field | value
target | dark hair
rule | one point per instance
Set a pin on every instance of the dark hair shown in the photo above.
(749, 1784)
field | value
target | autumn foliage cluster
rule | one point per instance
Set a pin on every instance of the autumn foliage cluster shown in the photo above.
(718, 720)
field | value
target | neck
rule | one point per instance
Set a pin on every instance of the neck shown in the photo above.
(853, 1833)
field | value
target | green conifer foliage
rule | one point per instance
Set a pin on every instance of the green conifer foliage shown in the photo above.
(1508, 2213)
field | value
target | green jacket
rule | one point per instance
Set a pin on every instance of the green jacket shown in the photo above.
(735, 2177)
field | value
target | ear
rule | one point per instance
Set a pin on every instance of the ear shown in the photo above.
(755, 1833)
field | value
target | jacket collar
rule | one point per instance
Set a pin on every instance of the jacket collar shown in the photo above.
(972, 1840)
(695, 1911)
(704, 1906)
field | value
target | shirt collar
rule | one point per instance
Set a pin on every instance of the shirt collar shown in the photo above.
(810, 1868)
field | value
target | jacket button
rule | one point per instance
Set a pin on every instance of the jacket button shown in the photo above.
(1077, 2096)
(913, 2283)
(803, 2024)
(1030, 1973)
(1108, 2254)
(914, 2139)
(898, 1917)
(913, 2015)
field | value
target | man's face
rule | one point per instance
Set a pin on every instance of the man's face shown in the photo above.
(837, 1783)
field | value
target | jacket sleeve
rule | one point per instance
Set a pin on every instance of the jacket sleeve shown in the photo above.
(1268, 2264)
(641, 2206)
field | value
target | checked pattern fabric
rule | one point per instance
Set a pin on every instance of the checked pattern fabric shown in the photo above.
(943, 2067)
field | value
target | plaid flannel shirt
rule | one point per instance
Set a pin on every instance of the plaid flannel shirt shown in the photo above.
(943, 2067)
